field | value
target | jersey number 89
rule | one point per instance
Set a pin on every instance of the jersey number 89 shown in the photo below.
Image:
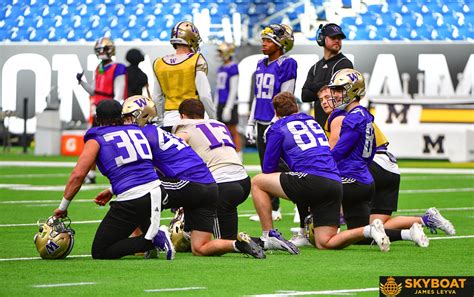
(307, 134)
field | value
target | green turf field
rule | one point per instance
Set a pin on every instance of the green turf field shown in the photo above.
(31, 193)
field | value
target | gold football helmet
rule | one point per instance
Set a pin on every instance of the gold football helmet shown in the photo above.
(309, 229)
(186, 33)
(352, 84)
(142, 109)
(181, 239)
(55, 239)
(281, 35)
(104, 48)
(226, 50)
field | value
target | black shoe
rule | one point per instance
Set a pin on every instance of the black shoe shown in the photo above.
(247, 246)
(89, 180)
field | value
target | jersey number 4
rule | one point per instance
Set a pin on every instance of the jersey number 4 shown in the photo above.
(133, 142)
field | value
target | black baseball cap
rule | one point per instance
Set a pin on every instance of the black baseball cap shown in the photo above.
(108, 110)
(333, 30)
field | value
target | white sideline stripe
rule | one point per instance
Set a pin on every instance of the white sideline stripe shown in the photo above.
(400, 211)
(35, 175)
(43, 201)
(27, 187)
(39, 258)
(251, 168)
(452, 190)
(175, 289)
(327, 292)
(86, 256)
(64, 285)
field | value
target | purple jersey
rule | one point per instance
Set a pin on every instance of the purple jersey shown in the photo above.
(268, 81)
(174, 158)
(302, 144)
(356, 146)
(336, 113)
(124, 156)
(224, 73)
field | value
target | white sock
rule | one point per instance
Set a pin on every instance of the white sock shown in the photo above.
(233, 245)
(301, 231)
(265, 234)
(367, 232)
(91, 174)
(406, 234)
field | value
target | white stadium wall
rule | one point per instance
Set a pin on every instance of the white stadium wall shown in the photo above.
(45, 74)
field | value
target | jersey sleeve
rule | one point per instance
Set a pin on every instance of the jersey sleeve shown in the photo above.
(288, 70)
(273, 150)
(202, 64)
(120, 69)
(90, 134)
(233, 70)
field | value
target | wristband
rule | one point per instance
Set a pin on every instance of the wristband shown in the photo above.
(64, 204)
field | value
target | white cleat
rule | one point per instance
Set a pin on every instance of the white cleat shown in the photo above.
(275, 241)
(377, 232)
(434, 220)
(276, 216)
(418, 236)
(300, 240)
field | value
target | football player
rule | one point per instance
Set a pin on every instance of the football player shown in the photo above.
(110, 83)
(386, 175)
(313, 180)
(188, 182)
(123, 155)
(181, 75)
(355, 150)
(226, 92)
(275, 73)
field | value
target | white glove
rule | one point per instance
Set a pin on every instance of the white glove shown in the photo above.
(250, 134)
(226, 114)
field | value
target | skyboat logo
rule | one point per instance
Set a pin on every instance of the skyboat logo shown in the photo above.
(427, 286)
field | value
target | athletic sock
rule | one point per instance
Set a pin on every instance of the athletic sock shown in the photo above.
(406, 234)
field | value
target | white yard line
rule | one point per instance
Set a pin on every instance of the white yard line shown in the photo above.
(64, 285)
(35, 175)
(450, 190)
(250, 168)
(59, 188)
(39, 258)
(175, 289)
(326, 292)
(86, 256)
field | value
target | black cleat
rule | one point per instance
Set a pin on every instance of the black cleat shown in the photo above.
(247, 246)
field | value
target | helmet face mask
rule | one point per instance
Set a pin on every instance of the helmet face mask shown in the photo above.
(55, 238)
(186, 33)
(180, 238)
(309, 229)
(347, 86)
(104, 49)
(281, 35)
(140, 108)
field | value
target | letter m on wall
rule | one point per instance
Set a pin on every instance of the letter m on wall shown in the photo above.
(401, 114)
(436, 145)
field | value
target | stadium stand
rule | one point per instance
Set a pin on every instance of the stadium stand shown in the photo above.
(127, 20)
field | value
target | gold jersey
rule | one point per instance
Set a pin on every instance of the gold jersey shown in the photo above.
(176, 75)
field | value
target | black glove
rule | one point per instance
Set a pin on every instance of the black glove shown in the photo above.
(79, 77)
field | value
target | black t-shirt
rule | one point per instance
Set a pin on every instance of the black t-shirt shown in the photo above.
(137, 79)
(319, 75)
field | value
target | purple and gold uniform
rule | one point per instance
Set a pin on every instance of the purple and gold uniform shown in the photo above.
(269, 78)
(224, 73)
(124, 157)
(356, 146)
(314, 179)
(174, 158)
(302, 144)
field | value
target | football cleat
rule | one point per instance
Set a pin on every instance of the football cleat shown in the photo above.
(377, 232)
(276, 216)
(418, 236)
(162, 242)
(89, 181)
(275, 241)
(434, 220)
(246, 245)
(300, 240)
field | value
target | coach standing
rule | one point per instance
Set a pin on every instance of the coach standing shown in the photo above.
(330, 37)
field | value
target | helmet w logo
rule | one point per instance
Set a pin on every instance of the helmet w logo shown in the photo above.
(51, 247)
(352, 76)
(140, 102)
